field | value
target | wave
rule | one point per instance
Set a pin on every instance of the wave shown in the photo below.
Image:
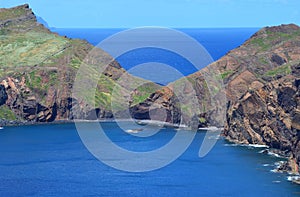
(265, 151)
(276, 171)
(274, 154)
(232, 144)
(279, 163)
(269, 152)
(133, 130)
(258, 145)
(293, 178)
(266, 165)
(249, 145)
(212, 128)
(276, 181)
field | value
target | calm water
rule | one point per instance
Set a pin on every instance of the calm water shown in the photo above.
(216, 41)
(51, 160)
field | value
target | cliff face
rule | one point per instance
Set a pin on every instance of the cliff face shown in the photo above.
(261, 83)
(260, 80)
(269, 116)
(266, 56)
(269, 113)
(38, 68)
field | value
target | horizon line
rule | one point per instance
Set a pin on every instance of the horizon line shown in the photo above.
(158, 26)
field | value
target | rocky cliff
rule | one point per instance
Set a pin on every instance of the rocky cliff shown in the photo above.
(267, 55)
(38, 68)
(270, 116)
(261, 81)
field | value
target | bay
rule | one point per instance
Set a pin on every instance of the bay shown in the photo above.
(51, 160)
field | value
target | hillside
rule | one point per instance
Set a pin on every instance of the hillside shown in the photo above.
(253, 91)
(261, 84)
(266, 56)
(38, 68)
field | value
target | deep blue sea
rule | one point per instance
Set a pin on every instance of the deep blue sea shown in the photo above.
(51, 160)
(216, 41)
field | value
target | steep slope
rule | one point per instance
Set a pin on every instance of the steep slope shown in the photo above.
(261, 82)
(267, 55)
(38, 68)
(269, 116)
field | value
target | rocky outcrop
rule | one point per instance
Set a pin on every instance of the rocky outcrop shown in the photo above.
(38, 70)
(265, 57)
(261, 83)
(3, 95)
(23, 102)
(18, 19)
(159, 106)
(260, 80)
(269, 116)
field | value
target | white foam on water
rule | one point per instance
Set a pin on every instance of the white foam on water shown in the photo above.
(293, 178)
(279, 163)
(275, 171)
(265, 165)
(274, 154)
(249, 145)
(263, 151)
(231, 144)
(258, 145)
(276, 181)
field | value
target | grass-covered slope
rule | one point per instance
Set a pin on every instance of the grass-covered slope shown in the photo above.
(38, 68)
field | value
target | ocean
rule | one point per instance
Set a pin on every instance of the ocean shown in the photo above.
(51, 160)
(216, 41)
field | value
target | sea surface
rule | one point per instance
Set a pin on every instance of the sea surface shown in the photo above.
(216, 41)
(51, 160)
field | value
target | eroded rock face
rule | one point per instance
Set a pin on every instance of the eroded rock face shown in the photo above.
(269, 116)
(23, 102)
(160, 106)
(38, 73)
(3, 95)
(267, 56)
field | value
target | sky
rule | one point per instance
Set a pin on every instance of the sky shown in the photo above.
(165, 13)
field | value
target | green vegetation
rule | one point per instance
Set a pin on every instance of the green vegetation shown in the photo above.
(263, 60)
(6, 14)
(263, 43)
(202, 120)
(281, 70)
(29, 49)
(143, 92)
(47, 60)
(6, 113)
(267, 42)
(226, 74)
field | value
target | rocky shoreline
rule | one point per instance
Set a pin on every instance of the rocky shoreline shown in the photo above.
(261, 84)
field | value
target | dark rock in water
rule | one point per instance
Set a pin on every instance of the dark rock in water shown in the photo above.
(284, 167)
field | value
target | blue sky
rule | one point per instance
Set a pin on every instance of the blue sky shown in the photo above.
(167, 13)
